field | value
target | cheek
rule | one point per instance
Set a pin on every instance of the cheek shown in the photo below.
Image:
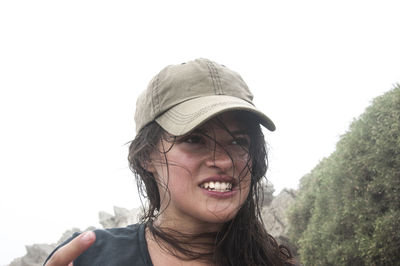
(180, 178)
(177, 173)
(183, 165)
(243, 168)
(243, 173)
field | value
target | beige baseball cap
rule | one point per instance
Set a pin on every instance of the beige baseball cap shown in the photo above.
(182, 97)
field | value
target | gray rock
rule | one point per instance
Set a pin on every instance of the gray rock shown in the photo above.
(36, 254)
(121, 218)
(275, 214)
(268, 191)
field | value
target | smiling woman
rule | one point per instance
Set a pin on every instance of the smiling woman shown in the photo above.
(204, 176)
(198, 157)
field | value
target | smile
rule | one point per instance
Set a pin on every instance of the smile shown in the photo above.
(217, 186)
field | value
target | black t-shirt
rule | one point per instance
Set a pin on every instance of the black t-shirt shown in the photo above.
(115, 247)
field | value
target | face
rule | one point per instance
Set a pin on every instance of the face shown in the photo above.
(204, 176)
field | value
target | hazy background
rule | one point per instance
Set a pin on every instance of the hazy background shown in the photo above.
(70, 72)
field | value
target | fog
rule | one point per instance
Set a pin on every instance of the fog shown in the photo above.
(70, 73)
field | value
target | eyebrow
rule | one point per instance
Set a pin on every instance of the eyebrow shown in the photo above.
(239, 132)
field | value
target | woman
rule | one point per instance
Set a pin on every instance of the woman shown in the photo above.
(199, 157)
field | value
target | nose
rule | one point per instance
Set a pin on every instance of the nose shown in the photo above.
(219, 158)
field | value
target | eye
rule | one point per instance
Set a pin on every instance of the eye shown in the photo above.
(241, 141)
(193, 139)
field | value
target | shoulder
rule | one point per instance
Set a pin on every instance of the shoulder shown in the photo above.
(131, 232)
(120, 236)
(116, 246)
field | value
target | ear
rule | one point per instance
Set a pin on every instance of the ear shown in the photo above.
(148, 166)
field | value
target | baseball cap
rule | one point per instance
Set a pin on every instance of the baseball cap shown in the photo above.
(184, 96)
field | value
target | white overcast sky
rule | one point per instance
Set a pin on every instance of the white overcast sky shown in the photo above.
(70, 72)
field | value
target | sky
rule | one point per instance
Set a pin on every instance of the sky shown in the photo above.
(70, 73)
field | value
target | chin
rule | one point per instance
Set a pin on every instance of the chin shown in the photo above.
(220, 216)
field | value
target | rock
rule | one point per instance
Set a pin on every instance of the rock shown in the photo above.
(268, 191)
(275, 214)
(35, 255)
(121, 218)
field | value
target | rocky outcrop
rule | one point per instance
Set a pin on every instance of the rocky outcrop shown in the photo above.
(36, 254)
(121, 218)
(274, 216)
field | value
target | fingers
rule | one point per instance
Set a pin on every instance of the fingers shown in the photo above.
(66, 254)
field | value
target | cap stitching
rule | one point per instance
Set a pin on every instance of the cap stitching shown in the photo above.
(218, 79)
(155, 97)
(152, 91)
(210, 70)
(174, 115)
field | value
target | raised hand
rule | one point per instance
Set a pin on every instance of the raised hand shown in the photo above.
(68, 253)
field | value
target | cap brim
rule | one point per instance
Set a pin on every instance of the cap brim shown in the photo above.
(190, 114)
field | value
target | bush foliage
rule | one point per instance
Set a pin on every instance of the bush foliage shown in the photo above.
(348, 207)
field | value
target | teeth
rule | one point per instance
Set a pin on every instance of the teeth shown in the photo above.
(211, 185)
(224, 186)
(217, 186)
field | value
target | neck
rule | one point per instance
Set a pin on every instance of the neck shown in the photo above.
(185, 240)
(175, 246)
(186, 226)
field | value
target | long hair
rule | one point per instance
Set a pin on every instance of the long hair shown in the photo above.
(242, 240)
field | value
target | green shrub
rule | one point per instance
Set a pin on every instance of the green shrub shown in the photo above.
(347, 210)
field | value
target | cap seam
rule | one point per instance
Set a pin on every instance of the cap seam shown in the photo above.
(210, 71)
(174, 115)
(156, 98)
(218, 79)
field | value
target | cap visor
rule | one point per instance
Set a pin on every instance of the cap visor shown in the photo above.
(190, 114)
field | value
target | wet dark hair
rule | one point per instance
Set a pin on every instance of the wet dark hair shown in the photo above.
(242, 240)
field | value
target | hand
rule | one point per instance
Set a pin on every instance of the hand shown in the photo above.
(68, 253)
